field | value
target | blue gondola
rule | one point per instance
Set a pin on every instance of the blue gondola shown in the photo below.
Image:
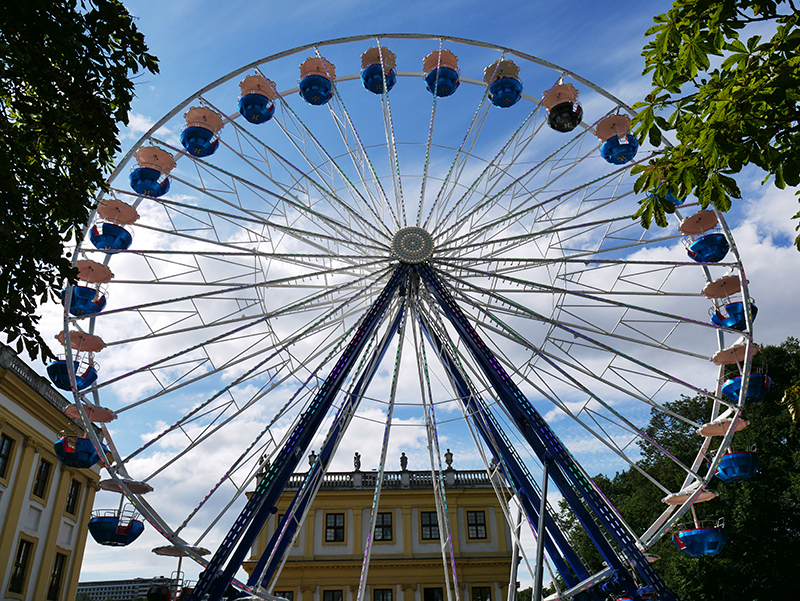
(85, 301)
(505, 92)
(618, 153)
(199, 141)
(669, 197)
(148, 182)
(736, 318)
(110, 236)
(697, 542)
(256, 108)
(57, 371)
(111, 531)
(738, 466)
(372, 78)
(316, 89)
(673, 199)
(444, 80)
(81, 454)
(757, 388)
(710, 248)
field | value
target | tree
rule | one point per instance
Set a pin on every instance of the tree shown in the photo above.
(725, 113)
(762, 515)
(65, 84)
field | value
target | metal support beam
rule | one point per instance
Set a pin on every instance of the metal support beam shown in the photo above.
(215, 581)
(284, 532)
(566, 473)
(537, 580)
(503, 452)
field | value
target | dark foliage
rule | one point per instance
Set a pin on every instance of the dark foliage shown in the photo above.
(740, 109)
(762, 515)
(65, 69)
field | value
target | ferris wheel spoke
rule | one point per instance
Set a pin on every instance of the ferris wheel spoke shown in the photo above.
(304, 135)
(359, 156)
(230, 183)
(526, 286)
(275, 347)
(493, 172)
(544, 210)
(459, 160)
(518, 188)
(562, 375)
(434, 453)
(426, 160)
(231, 363)
(391, 143)
(578, 338)
(285, 344)
(264, 151)
(228, 293)
(516, 145)
(258, 220)
(313, 373)
(312, 239)
(503, 265)
(229, 194)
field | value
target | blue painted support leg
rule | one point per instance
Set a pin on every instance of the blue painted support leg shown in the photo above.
(537, 577)
(293, 517)
(260, 504)
(566, 474)
(558, 548)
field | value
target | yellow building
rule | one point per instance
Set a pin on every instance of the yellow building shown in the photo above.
(406, 562)
(44, 505)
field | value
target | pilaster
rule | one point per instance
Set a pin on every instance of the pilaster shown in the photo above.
(56, 515)
(19, 493)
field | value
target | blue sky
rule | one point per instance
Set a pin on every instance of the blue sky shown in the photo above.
(198, 42)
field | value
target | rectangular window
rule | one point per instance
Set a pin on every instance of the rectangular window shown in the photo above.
(429, 525)
(56, 577)
(288, 595)
(6, 446)
(331, 595)
(334, 529)
(383, 527)
(73, 496)
(476, 524)
(433, 594)
(382, 594)
(481, 593)
(19, 571)
(42, 479)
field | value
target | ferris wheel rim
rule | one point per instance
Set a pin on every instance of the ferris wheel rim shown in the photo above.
(150, 135)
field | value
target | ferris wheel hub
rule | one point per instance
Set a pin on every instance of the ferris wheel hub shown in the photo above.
(412, 245)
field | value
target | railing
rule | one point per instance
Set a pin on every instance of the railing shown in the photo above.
(10, 361)
(396, 480)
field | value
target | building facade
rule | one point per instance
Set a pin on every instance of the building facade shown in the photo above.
(44, 506)
(406, 562)
(120, 590)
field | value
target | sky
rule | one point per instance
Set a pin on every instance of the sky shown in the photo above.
(199, 42)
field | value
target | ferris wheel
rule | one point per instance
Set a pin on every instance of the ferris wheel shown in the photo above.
(404, 229)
